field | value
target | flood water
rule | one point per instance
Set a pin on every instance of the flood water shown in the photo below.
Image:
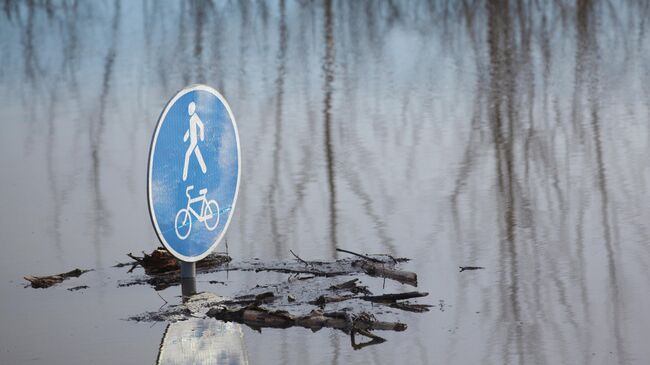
(510, 135)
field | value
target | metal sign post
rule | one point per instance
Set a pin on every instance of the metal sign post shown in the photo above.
(188, 278)
(193, 176)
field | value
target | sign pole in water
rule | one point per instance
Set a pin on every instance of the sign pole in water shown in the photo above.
(188, 278)
(193, 174)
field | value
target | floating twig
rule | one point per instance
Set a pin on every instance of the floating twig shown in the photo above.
(382, 270)
(299, 259)
(166, 302)
(48, 281)
(394, 297)
(374, 339)
(257, 318)
(360, 255)
(78, 288)
(464, 268)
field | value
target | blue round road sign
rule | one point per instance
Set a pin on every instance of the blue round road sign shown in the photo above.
(193, 175)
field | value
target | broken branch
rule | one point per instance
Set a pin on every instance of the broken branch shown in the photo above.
(48, 281)
(381, 270)
(257, 317)
(394, 297)
(359, 255)
(463, 268)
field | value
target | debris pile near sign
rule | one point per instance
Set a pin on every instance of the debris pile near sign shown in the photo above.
(161, 262)
(312, 296)
(161, 274)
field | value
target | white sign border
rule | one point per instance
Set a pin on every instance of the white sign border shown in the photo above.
(152, 149)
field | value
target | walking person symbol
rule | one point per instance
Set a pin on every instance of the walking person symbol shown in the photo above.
(191, 133)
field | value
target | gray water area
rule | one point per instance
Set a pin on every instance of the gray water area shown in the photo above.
(510, 135)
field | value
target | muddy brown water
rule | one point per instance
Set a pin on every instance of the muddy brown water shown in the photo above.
(508, 135)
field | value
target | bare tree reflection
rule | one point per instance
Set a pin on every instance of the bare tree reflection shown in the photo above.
(510, 134)
(97, 129)
(328, 74)
(587, 53)
(502, 119)
(274, 202)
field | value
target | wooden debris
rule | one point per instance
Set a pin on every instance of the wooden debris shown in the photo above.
(162, 270)
(160, 261)
(48, 281)
(122, 264)
(291, 302)
(387, 271)
(288, 304)
(351, 286)
(309, 264)
(252, 299)
(366, 257)
(411, 307)
(78, 288)
(257, 318)
(374, 339)
(345, 285)
(325, 299)
(464, 268)
(376, 257)
(390, 299)
(394, 297)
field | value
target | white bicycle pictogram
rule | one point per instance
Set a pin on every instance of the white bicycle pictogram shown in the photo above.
(209, 213)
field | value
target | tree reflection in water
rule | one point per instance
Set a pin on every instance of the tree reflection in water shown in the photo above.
(506, 134)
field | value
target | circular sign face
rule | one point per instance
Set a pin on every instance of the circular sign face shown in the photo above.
(193, 174)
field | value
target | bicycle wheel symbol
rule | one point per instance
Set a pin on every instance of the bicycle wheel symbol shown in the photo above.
(183, 223)
(211, 215)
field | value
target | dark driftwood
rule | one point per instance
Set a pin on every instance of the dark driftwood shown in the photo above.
(324, 299)
(389, 299)
(394, 297)
(258, 318)
(80, 287)
(268, 305)
(163, 271)
(336, 268)
(358, 345)
(162, 268)
(464, 268)
(251, 299)
(387, 271)
(360, 255)
(350, 284)
(411, 307)
(376, 257)
(160, 261)
(48, 281)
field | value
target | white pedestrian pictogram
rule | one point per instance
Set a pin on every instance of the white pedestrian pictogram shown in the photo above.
(191, 133)
(209, 213)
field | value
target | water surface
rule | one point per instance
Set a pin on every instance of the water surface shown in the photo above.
(509, 135)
